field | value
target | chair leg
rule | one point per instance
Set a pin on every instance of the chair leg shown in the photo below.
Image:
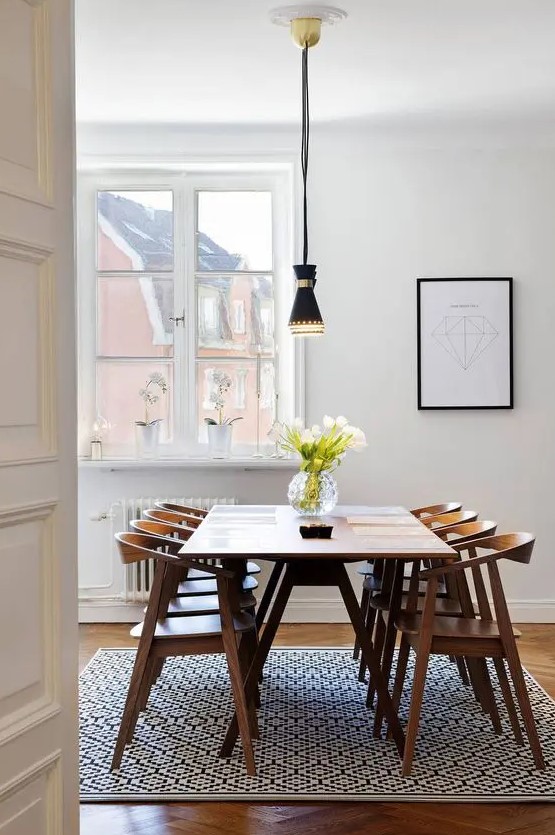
(390, 637)
(508, 699)
(241, 711)
(147, 684)
(420, 671)
(400, 673)
(379, 639)
(489, 696)
(364, 598)
(128, 721)
(418, 683)
(477, 682)
(142, 659)
(159, 666)
(481, 683)
(369, 622)
(463, 672)
(523, 699)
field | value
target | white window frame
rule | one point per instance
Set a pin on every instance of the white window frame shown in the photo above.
(185, 182)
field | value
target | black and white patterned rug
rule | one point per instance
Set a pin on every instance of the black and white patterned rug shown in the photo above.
(315, 742)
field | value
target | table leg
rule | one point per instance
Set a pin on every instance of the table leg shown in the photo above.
(384, 699)
(264, 646)
(271, 586)
(395, 601)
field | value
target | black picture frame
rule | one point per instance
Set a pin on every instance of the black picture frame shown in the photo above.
(504, 351)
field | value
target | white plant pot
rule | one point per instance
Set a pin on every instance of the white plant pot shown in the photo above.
(147, 439)
(219, 440)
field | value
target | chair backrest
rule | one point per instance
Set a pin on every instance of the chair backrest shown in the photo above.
(466, 531)
(196, 512)
(156, 528)
(517, 547)
(134, 547)
(171, 517)
(434, 509)
(444, 520)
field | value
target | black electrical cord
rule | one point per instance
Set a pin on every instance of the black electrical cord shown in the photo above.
(305, 136)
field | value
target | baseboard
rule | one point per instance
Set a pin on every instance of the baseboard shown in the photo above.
(532, 611)
(301, 610)
(109, 611)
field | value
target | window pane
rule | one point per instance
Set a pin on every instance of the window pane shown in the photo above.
(240, 400)
(135, 231)
(118, 399)
(134, 317)
(234, 231)
(235, 316)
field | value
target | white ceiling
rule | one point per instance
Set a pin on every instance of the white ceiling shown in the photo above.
(210, 61)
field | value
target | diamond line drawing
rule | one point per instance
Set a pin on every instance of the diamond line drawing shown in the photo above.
(465, 338)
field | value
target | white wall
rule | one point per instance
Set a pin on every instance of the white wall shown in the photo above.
(388, 206)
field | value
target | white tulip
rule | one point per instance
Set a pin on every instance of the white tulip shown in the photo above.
(328, 422)
(307, 437)
(341, 421)
(316, 431)
(359, 439)
(298, 423)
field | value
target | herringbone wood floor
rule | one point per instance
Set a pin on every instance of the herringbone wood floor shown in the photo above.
(537, 648)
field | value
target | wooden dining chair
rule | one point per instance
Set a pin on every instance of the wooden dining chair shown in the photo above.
(382, 582)
(230, 631)
(191, 603)
(447, 604)
(469, 636)
(375, 568)
(435, 509)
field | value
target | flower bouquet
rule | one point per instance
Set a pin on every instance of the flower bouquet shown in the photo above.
(313, 491)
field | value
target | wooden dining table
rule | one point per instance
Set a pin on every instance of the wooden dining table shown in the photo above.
(232, 533)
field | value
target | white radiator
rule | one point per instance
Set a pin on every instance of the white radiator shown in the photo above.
(139, 575)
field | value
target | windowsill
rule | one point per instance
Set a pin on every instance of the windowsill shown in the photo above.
(238, 463)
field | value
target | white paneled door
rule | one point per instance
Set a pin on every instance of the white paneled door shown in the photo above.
(38, 599)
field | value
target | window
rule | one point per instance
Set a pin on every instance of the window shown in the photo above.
(184, 274)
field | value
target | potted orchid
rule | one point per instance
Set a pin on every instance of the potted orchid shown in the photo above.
(147, 431)
(313, 491)
(220, 430)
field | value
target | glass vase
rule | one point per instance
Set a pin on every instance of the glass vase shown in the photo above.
(312, 494)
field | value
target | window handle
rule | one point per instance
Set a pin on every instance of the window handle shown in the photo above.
(177, 319)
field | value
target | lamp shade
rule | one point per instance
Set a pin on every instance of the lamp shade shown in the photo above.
(305, 319)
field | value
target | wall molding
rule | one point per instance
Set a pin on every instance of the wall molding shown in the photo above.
(19, 514)
(14, 725)
(24, 250)
(47, 705)
(307, 610)
(51, 761)
(43, 445)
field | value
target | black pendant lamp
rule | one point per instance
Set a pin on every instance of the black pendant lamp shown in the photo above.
(306, 22)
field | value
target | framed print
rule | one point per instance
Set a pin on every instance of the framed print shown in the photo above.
(465, 343)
